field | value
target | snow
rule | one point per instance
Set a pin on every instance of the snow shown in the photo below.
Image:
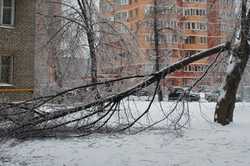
(232, 64)
(203, 143)
(5, 85)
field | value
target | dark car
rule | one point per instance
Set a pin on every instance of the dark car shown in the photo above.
(142, 93)
(214, 95)
(177, 93)
(192, 97)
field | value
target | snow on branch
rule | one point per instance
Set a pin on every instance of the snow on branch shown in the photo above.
(109, 113)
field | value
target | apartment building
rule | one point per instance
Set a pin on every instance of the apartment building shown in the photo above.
(23, 62)
(184, 27)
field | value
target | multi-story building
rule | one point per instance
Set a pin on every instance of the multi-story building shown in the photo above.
(24, 68)
(17, 43)
(184, 27)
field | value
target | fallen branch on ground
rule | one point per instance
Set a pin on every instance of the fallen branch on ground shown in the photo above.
(40, 124)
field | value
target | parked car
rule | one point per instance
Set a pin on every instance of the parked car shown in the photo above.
(192, 97)
(176, 93)
(214, 95)
(142, 93)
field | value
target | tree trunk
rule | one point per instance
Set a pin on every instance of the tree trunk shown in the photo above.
(93, 65)
(225, 106)
(156, 43)
(88, 15)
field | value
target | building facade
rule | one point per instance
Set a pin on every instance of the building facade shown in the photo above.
(184, 27)
(17, 43)
(24, 67)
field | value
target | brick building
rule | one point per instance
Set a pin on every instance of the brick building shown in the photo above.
(24, 67)
(186, 27)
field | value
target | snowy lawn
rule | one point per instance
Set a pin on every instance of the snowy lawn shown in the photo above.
(202, 144)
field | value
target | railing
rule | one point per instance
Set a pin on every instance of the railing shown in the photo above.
(6, 94)
(16, 90)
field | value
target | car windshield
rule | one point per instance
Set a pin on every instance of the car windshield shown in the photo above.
(179, 90)
(216, 92)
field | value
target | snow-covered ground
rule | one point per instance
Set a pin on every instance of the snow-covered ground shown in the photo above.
(204, 143)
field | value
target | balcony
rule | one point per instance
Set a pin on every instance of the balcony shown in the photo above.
(195, 32)
(195, 4)
(194, 46)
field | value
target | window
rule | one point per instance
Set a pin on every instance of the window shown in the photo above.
(133, 13)
(163, 9)
(121, 16)
(195, 12)
(122, 28)
(203, 40)
(7, 11)
(106, 6)
(163, 38)
(188, 53)
(5, 69)
(195, 68)
(196, 1)
(167, 24)
(190, 40)
(122, 2)
(148, 10)
(196, 26)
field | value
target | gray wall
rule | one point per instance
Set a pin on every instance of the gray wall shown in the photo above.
(19, 42)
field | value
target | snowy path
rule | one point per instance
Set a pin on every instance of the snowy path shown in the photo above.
(203, 144)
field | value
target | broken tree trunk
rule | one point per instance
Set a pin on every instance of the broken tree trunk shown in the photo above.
(28, 128)
(226, 103)
(240, 54)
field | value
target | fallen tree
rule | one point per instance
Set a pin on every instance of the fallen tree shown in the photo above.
(25, 119)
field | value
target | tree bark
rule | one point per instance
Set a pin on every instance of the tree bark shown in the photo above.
(88, 15)
(225, 106)
(156, 44)
(93, 65)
